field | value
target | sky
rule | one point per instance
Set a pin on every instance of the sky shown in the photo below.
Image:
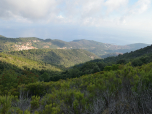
(118, 22)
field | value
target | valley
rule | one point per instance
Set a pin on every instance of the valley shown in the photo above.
(75, 56)
(52, 76)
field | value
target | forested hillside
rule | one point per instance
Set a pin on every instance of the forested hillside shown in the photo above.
(138, 57)
(63, 58)
(21, 62)
(98, 48)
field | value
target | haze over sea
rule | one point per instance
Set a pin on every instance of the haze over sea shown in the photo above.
(108, 21)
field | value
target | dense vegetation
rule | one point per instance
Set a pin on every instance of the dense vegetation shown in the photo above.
(123, 90)
(21, 63)
(60, 57)
(138, 57)
(55, 70)
(30, 83)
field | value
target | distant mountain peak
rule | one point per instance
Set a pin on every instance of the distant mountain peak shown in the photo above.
(78, 40)
(2, 36)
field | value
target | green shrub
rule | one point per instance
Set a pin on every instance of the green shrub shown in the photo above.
(35, 103)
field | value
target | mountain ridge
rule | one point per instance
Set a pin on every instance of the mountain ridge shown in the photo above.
(98, 48)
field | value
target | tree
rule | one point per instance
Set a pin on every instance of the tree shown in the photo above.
(45, 77)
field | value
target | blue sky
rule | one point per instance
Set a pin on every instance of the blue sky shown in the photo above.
(109, 21)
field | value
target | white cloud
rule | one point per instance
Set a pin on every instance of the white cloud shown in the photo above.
(135, 17)
(91, 8)
(140, 7)
(32, 9)
(80, 12)
(115, 4)
(60, 17)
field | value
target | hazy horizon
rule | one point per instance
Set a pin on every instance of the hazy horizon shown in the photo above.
(119, 22)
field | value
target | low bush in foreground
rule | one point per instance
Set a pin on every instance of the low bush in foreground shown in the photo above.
(126, 90)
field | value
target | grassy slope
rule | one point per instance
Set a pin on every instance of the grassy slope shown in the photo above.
(22, 62)
(66, 58)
